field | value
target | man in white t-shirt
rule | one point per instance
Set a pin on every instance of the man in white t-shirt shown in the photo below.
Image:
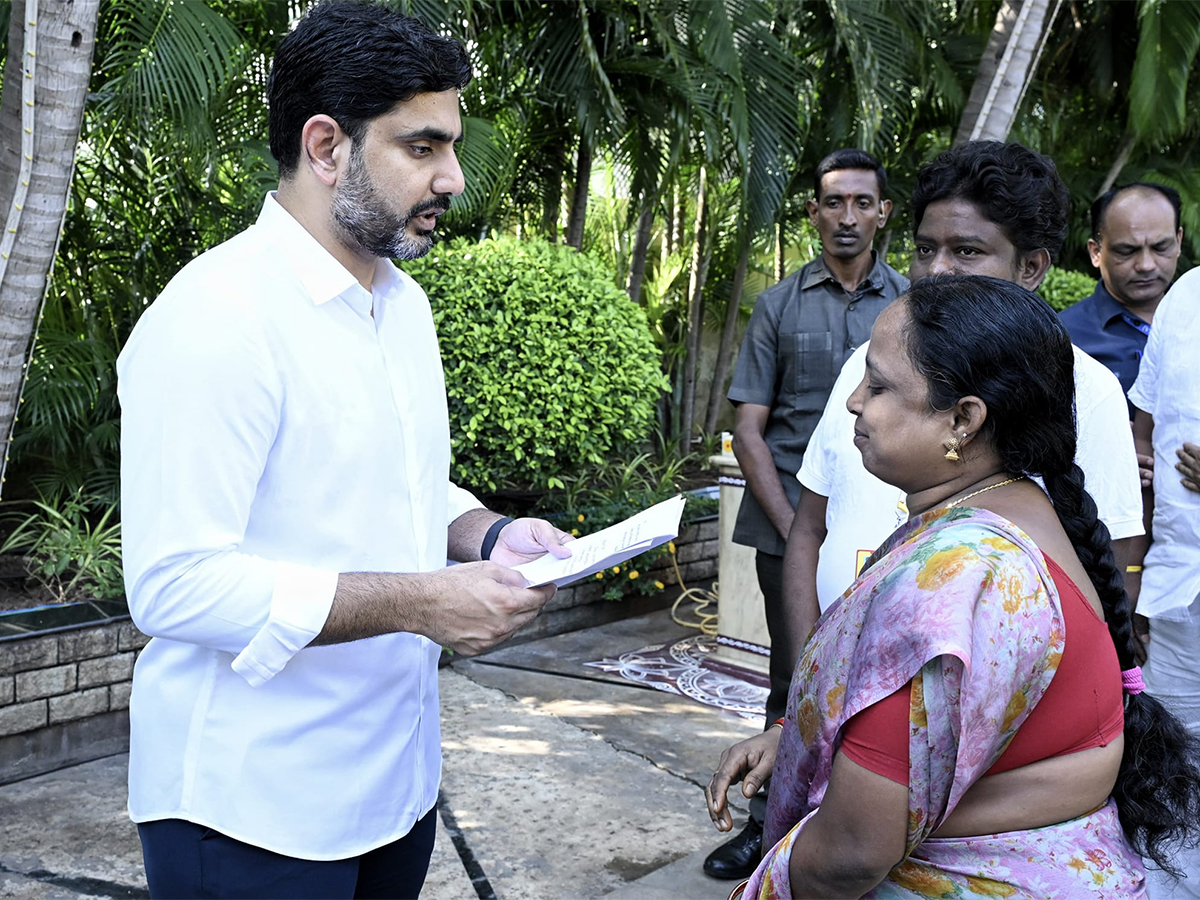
(1166, 396)
(983, 208)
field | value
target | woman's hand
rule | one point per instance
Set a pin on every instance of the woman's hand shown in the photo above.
(751, 762)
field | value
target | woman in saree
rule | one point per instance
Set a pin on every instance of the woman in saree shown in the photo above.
(968, 720)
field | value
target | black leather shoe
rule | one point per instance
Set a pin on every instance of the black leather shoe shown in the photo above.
(739, 856)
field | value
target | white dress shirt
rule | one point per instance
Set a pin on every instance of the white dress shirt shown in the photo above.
(1168, 387)
(863, 510)
(274, 435)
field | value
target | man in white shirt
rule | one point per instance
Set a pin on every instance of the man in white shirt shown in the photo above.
(286, 501)
(1166, 396)
(983, 208)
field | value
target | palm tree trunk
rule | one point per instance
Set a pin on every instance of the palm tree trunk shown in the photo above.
(716, 395)
(40, 119)
(667, 248)
(579, 198)
(1114, 171)
(695, 318)
(779, 252)
(552, 198)
(677, 218)
(641, 248)
(1004, 71)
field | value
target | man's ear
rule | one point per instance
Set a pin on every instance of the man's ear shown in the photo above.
(1094, 252)
(812, 207)
(1032, 268)
(324, 147)
(885, 210)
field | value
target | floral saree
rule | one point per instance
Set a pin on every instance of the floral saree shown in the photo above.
(961, 604)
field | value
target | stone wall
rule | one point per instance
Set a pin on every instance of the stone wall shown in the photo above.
(64, 696)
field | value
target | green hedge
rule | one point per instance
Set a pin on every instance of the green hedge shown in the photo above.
(1062, 287)
(550, 368)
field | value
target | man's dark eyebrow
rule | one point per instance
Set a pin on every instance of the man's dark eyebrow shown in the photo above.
(430, 133)
(953, 239)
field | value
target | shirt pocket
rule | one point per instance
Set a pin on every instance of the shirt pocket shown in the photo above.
(808, 361)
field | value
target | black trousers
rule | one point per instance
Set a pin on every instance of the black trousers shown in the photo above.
(185, 860)
(770, 582)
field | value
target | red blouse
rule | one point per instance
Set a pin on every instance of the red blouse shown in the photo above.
(1082, 708)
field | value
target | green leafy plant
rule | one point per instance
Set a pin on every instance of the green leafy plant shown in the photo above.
(1062, 287)
(550, 368)
(67, 552)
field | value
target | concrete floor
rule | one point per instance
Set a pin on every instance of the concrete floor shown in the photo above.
(559, 781)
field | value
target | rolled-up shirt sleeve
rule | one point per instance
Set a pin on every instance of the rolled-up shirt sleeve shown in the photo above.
(459, 501)
(200, 408)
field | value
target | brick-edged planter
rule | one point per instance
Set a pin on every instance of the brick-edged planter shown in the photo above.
(64, 691)
(64, 696)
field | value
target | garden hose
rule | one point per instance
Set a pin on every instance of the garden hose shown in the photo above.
(707, 623)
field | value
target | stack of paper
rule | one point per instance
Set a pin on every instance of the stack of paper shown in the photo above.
(595, 552)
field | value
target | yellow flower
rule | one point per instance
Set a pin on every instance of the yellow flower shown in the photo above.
(921, 880)
(671, 546)
(659, 585)
(1016, 706)
(986, 887)
(580, 517)
(634, 574)
(616, 570)
(943, 567)
(574, 532)
(599, 574)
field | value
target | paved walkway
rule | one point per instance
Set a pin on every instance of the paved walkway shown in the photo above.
(559, 782)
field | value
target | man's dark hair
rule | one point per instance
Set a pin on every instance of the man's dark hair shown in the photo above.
(1101, 203)
(849, 158)
(1012, 186)
(354, 61)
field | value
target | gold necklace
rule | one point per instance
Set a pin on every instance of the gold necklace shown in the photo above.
(990, 487)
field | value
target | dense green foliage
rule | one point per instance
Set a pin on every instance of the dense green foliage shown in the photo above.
(550, 368)
(1062, 287)
(605, 111)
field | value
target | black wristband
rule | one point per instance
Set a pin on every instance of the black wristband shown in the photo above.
(489, 539)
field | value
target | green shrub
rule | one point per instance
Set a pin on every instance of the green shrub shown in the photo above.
(1062, 287)
(550, 368)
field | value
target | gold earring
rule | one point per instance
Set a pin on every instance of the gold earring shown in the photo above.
(952, 446)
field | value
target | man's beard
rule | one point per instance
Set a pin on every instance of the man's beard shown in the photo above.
(366, 221)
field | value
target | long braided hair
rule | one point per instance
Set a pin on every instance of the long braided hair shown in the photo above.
(971, 335)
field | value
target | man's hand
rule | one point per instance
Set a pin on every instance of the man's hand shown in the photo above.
(478, 605)
(750, 761)
(1189, 466)
(1145, 464)
(523, 540)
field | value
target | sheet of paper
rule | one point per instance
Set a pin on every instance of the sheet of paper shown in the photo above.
(609, 547)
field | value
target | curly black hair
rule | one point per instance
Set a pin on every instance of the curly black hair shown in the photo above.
(354, 61)
(1013, 186)
(971, 335)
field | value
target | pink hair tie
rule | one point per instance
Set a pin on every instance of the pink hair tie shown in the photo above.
(1131, 680)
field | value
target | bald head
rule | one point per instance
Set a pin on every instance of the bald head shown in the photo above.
(1135, 244)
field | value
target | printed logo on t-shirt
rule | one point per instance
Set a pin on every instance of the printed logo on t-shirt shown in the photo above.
(860, 560)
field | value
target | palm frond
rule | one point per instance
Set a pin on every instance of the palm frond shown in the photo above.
(1169, 36)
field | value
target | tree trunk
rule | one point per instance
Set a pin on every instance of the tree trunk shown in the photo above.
(45, 84)
(1127, 144)
(695, 319)
(641, 248)
(579, 198)
(677, 218)
(666, 248)
(552, 199)
(1004, 71)
(716, 395)
(780, 261)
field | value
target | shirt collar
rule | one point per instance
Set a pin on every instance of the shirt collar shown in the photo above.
(319, 272)
(818, 273)
(1107, 306)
